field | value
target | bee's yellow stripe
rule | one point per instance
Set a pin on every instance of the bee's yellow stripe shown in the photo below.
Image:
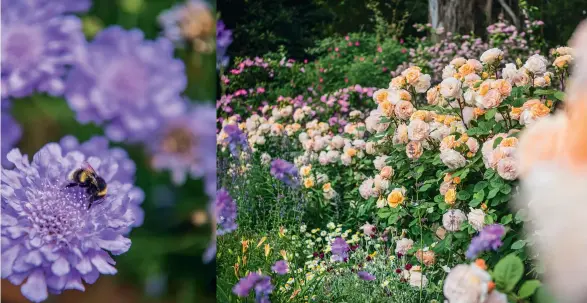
(83, 176)
(103, 192)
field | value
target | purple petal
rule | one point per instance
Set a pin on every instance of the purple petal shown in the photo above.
(35, 288)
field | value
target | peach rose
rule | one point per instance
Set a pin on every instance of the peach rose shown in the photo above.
(397, 82)
(432, 95)
(426, 257)
(380, 95)
(504, 87)
(386, 172)
(491, 99)
(404, 110)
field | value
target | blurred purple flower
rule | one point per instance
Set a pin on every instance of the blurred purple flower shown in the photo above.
(99, 147)
(489, 238)
(339, 249)
(261, 284)
(38, 44)
(11, 133)
(186, 145)
(225, 212)
(49, 236)
(223, 40)
(129, 84)
(236, 139)
(280, 267)
(366, 276)
(284, 171)
(189, 12)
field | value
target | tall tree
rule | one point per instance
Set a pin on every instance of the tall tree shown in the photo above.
(457, 16)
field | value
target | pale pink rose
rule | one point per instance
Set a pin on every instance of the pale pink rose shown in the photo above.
(369, 229)
(470, 79)
(491, 99)
(379, 162)
(423, 84)
(418, 130)
(450, 88)
(504, 87)
(403, 246)
(468, 114)
(507, 168)
(473, 145)
(458, 61)
(476, 218)
(452, 159)
(404, 110)
(492, 56)
(452, 219)
(366, 189)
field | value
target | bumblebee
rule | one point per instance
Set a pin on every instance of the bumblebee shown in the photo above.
(87, 177)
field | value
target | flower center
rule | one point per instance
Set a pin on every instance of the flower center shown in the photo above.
(59, 213)
(178, 141)
(126, 79)
(22, 46)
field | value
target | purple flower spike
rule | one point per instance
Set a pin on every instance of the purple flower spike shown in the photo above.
(223, 40)
(280, 267)
(186, 145)
(11, 133)
(488, 239)
(261, 284)
(49, 236)
(339, 249)
(284, 171)
(129, 84)
(99, 147)
(366, 276)
(225, 212)
(38, 45)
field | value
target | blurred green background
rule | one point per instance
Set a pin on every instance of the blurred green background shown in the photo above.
(164, 263)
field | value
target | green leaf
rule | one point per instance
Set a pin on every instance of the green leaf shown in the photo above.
(505, 189)
(488, 174)
(425, 187)
(490, 113)
(480, 186)
(518, 244)
(497, 141)
(393, 219)
(560, 96)
(543, 296)
(492, 193)
(463, 195)
(508, 271)
(528, 288)
(384, 213)
(506, 219)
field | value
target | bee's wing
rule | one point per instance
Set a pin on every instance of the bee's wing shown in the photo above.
(88, 167)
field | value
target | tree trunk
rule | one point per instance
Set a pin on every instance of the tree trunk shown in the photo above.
(455, 16)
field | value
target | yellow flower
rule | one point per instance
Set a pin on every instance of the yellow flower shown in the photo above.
(351, 152)
(381, 95)
(283, 253)
(395, 198)
(450, 197)
(466, 69)
(484, 75)
(397, 82)
(245, 244)
(419, 114)
(282, 231)
(308, 182)
(305, 170)
(405, 95)
(483, 206)
(373, 254)
(326, 187)
(440, 118)
(387, 108)
(244, 260)
(478, 111)
(267, 249)
(295, 293)
(484, 88)
(261, 242)
(509, 142)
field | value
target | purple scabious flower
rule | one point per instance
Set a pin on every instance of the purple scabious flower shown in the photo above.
(50, 237)
(11, 133)
(38, 46)
(363, 275)
(280, 267)
(339, 249)
(261, 284)
(225, 213)
(186, 145)
(99, 147)
(489, 238)
(126, 83)
(284, 171)
(223, 40)
(236, 139)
